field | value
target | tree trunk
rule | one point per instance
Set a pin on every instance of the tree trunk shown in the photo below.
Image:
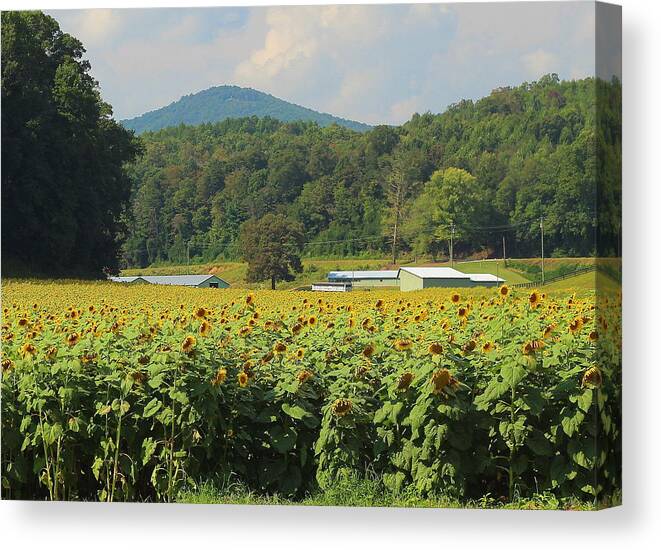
(272, 283)
(394, 240)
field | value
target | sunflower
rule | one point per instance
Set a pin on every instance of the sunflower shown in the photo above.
(368, 350)
(455, 298)
(469, 346)
(242, 377)
(300, 353)
(592, 378)
(462, 312)
(404, 381)
(504, 290)
(548, 330)
(188, 344)
(219, 378)
(435, 348)
(200, 313)
(7, 365)
(250, 299)
(205, 328)
(576, 325)
(534, 299)
(297, 328)
(88, 357)
(303, 376)
(28, 350)
(341, 407)
(72, 339)
(22, 322)
(488, 347)
(403, 344)
(312, 321)
(529, 348)
(379, 304)
(439, 380)
(244, 331)
(51, 353)
(593, 336)
(279, 348)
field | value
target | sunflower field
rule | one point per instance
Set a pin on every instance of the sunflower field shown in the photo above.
(130, 393)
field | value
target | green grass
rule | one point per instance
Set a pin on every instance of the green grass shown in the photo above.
(359, 492)
(586, 281)
(498, 268)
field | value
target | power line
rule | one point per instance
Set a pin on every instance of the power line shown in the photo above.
(347, 240)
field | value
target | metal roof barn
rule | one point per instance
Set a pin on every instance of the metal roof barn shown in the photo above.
(127, 279)
(378, 278)
(198, 281)
(331, 286)
(416, 278)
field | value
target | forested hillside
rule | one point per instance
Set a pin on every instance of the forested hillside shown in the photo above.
(64, 187)
(492, 167)
(222, 102)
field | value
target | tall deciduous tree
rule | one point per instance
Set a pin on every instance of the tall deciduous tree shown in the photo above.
(64, 188)
(272, 246)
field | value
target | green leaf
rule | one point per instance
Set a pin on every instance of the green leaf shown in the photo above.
(585, 400)
(151, 408)
(512, 374)
(283, 441)
(294, 411)
(571, 424)
(148, 448)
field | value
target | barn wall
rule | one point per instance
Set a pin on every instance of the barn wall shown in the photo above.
(207, 283)
(447, 283)
(407, 281)
(377, 283)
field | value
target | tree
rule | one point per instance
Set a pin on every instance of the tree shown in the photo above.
(459, 201)
(272, 246)
(400, 187)
(64, 187)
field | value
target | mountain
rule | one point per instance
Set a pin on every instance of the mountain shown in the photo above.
(221, 102)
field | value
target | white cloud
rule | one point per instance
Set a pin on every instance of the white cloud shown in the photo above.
(96, 26)
(373, 63)
(540, 62)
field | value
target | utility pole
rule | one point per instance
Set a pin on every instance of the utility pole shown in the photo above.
(504, 255)
(188, 257)
(541, 226)
(451, 244)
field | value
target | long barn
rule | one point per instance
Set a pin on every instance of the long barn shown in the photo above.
(197, 281)
(379, 278)
(417, 278)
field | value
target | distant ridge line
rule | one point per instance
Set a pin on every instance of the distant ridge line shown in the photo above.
(219, 103)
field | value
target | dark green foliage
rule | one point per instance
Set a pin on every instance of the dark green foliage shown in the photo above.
(529, 151)
(222, 102)
(272, 247)
(63, 183)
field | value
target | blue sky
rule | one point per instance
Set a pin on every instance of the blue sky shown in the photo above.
(372, 63)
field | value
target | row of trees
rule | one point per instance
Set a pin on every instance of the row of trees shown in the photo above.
(78, 189)
(64, 187)
(489, 168)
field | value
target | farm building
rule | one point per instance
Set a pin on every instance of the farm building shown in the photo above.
(198, 281)
(383, 278)
(129, 280)
(417, 278)
(331, 287)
